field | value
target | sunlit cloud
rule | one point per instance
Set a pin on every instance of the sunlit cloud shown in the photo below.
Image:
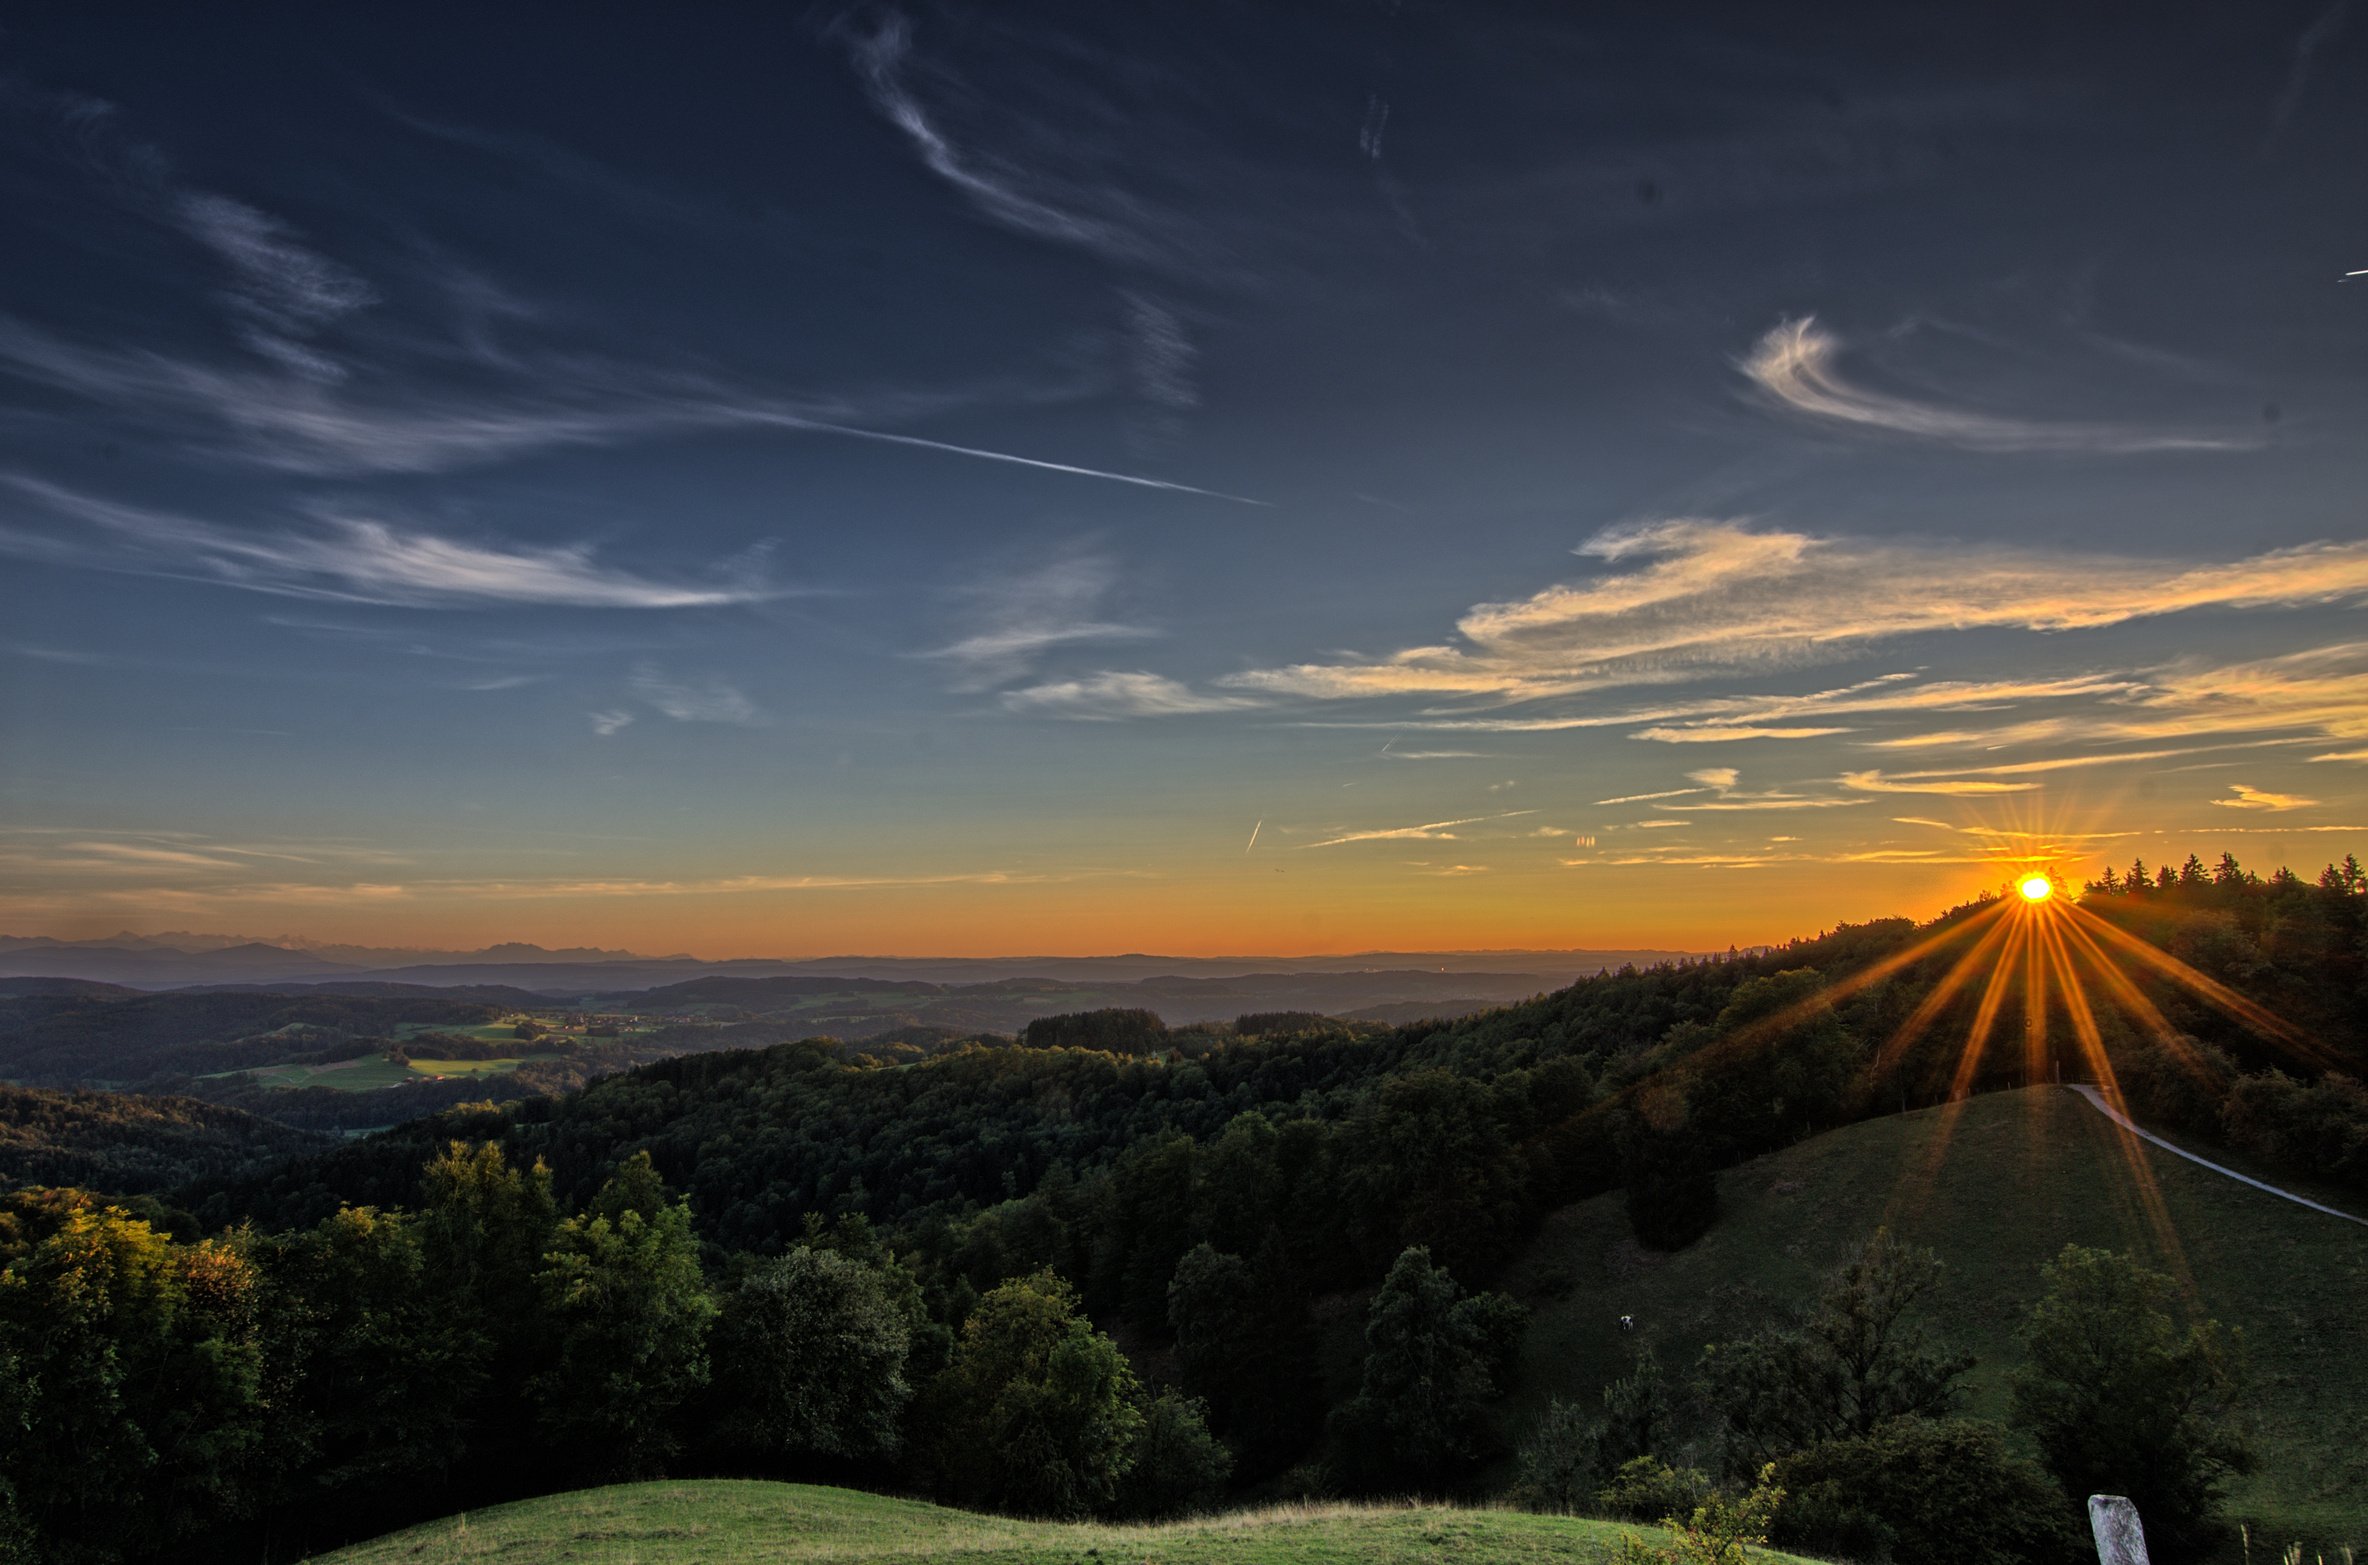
(1432, 831)
(1693, 599)
(2244, 796)
(1795, 365)
(1954, 787)
(1729, 733)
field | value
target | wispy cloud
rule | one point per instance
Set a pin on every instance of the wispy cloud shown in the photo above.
(350, 558)
(407, 397)
(2244, 796)
(1795, 364)
(707, 701)
(1113, 695)
(612, 721)
(1728, 733)
(1018, 615)
(1953, 787)
(2321, 32)
(1160, 360)
(1003, 191)
(284, 290)
(1430, 831)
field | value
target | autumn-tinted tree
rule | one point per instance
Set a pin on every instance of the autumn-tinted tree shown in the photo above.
(135, 1382)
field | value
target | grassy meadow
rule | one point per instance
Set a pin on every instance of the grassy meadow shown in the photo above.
(727, 1522)
(1996, 1186)
(374, 1071)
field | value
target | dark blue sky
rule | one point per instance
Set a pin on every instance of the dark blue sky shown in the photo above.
(943, 479)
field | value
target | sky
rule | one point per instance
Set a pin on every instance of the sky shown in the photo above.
(1211, 478)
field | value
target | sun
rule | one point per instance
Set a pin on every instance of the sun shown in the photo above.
(2036, 888)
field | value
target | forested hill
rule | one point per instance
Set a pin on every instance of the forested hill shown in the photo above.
(121, 1144)
(1455, 1136)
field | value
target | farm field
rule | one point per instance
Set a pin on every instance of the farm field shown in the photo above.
(376, 1071)
(728, 1522)
(1996, 1186)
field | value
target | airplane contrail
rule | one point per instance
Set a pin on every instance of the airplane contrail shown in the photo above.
(2348, 276)
(856, 432)
(1261, 826)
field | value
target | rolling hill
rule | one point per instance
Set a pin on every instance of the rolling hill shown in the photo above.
(726, 1522)
(1996, 1185)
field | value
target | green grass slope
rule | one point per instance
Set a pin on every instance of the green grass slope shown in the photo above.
(1997, 1186)
(720, 1522)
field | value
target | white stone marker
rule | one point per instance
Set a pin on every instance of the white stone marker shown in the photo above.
(2113, 1521)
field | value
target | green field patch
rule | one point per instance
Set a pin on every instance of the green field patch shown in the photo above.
(376, 1071)
(741, 1522)
(1996, 1186)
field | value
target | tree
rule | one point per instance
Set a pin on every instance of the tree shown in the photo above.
(1555, 1469)
(1038, 1412)
(135, 1380)
(1243, 1343)
(2121, 1401)
(370, 1355)
(483, 1229)
(1927, 1489)
(1176, 1465)
(628, 1311)
(1668, 1170)
(810, 1354)
(1854, 1361)
(1432, 1360)
(1638, 1416)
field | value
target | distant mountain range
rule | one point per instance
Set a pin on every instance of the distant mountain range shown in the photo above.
(183, 960)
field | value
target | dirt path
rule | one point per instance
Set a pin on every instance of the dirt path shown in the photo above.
(2097, 1101)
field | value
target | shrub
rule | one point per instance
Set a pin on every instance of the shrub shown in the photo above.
(1648, 1489)
(1927, 1489)
(1555, 1470)
(1716, 1532)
